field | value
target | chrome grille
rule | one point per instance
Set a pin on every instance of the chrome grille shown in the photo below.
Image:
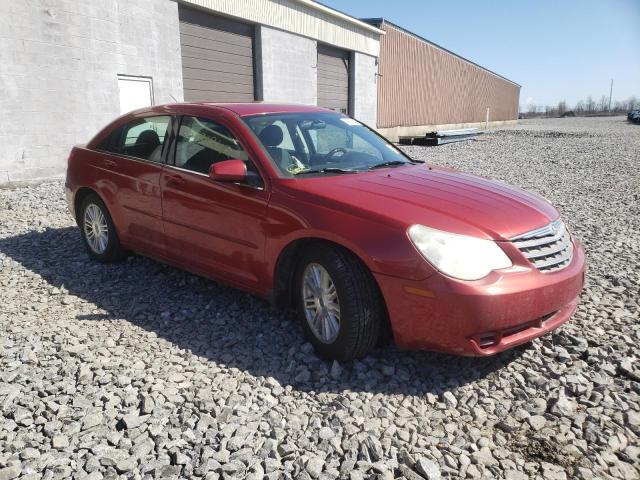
(548, 248)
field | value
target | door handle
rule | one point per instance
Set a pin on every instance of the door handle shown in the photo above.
(174, 180)
(109, 163)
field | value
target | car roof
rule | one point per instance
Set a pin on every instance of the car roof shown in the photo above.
(203, 108)
(241, 109)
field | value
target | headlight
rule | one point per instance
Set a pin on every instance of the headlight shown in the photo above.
(459, 256)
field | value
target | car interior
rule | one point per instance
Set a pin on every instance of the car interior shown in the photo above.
(144, 138)
(146, 145)
(201, 143)
(298, 143)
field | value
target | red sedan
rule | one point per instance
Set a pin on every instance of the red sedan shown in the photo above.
(317, 212)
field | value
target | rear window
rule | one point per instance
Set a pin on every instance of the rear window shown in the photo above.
(111, 143)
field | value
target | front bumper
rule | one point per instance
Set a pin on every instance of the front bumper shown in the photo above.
(483, 317)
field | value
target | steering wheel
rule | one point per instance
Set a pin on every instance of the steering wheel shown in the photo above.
(331, 154)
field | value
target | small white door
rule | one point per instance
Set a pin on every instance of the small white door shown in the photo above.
(135, 92)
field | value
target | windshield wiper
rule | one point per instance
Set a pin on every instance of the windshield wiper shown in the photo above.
(392, 163)
(327, 170)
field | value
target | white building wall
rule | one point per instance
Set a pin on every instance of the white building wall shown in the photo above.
(59, 61)
(286, 67)
(364, 97)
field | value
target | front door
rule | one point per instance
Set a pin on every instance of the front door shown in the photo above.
(213, 228)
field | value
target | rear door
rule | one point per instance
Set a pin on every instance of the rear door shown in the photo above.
(131, 159)
(217, 57)
(333, 78)
(213, 228)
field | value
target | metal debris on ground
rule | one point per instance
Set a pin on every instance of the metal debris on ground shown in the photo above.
(443, 136)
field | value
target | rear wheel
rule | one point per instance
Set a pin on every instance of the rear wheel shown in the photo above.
(338, 302)
(98, 231)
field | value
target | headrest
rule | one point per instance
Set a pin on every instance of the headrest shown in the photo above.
(148, 137)
(271, 136)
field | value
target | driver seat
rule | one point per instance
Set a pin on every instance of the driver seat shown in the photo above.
(271, 137)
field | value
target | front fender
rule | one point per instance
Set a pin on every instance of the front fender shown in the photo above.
(382, 248)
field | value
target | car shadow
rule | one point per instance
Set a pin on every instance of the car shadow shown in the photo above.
(230, 327)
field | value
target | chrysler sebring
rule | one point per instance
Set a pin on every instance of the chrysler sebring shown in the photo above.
(318, 213)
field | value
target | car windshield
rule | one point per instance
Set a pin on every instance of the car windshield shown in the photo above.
(323, 143)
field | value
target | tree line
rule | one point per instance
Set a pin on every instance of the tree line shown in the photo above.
(590, 106)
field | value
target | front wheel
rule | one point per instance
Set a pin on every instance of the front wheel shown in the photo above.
(338, 302)
(98, 232)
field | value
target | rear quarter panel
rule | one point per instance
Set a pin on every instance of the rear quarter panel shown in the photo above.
(83, 171)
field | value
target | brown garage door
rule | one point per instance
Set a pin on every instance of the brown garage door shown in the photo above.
(217, 58)
(333, 78)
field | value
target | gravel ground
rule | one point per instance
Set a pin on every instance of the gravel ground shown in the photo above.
(139, 370)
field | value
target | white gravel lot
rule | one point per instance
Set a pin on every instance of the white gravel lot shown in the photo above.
(139, 370)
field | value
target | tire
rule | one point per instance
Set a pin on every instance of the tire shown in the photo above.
(361, 307)
(108, 251)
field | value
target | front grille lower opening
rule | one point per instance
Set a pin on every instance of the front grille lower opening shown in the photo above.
(490, 339)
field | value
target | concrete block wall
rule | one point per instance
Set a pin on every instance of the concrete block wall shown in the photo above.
(60, 60)
(58, 77)
(286, 67)
(287, 72)
(364, 96)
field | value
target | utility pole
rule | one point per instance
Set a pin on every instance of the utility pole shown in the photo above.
(610, 94)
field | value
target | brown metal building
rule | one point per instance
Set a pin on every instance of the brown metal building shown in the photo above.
(423, 87)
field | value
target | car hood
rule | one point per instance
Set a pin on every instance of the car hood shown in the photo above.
(436, 197)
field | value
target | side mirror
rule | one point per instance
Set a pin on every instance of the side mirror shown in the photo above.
(228, 171)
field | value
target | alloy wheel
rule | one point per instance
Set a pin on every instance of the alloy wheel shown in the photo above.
(321, 303)
(96, 229)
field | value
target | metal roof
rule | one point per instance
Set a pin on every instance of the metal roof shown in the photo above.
(341, 15)
(379, 22)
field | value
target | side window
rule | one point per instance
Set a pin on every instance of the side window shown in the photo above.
(201, 143)
(144, 137)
